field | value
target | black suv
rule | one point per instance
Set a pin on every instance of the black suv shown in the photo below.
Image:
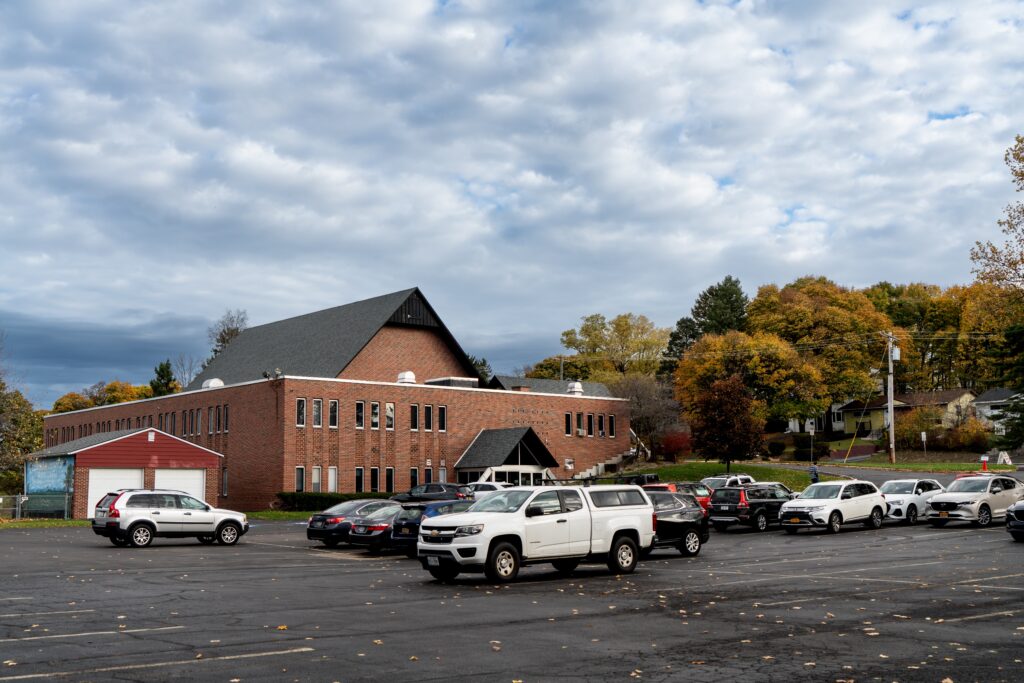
(425, 492)
(754, 505)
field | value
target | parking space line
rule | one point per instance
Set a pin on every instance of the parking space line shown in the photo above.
(790, 602)
(998, 588)
(2, 599)
(988, 578)
(1005, 613)
(92, 633)
(43, 614)
(156, 665)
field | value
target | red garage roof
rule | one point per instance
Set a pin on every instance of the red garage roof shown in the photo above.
(144, 447)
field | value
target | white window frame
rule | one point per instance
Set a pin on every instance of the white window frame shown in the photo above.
(442, 418)
(359, 482)
(332, 479)
(389, 417)
(374, 470)
(318, 413)
(298, 402)
(332, 414)
(428, 417)
(568, 424)
(414, 417)
(224, 481)
(389, 473)
(375, 415)
(314, 481)
(611, 426)
(302, 469)
(360, 415)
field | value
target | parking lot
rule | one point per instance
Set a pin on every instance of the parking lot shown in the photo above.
(902, 603)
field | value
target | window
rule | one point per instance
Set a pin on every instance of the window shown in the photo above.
(590, 424)
(199, 421)
(414, 477)
(223, 481)
(374, 415)
(374, 479)
(218, 419)
(209, 420)
(314, 483)
(225, 418)
(389, 417)
(184, 423)
(300, 412)
(359, 415)
(300, 479)
(548, 502)
(332, 415)
(192, 422)
(579, 424)
(428, 418)
(171, 430)
(428, 475)
(318, 412)
(414, 417)
(604, 499)
(600, 425)
(570, 464)
(389, 479)
(332, 479)
(160, 421)
(359, 480)
(568, 424)
(611, 426)
(442, 474)
(442, 418)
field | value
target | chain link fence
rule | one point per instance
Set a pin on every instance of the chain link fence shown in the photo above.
(36, 506)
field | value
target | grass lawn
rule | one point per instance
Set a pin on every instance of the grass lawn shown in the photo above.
(41, 523)
(695, 471)
(881, 461)
(280, 515)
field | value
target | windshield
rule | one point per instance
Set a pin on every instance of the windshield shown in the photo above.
(504, 501)
(386, 512)
(726, 496)
(347, 506)
(821, 491)
(969, 485)
(715, 482)
(898, 487)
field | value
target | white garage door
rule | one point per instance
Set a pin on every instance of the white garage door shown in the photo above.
(102, 481)
(192, 482)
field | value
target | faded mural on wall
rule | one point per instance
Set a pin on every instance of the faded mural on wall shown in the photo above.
(50, 475)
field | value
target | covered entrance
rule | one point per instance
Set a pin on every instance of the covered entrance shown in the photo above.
(515, 455)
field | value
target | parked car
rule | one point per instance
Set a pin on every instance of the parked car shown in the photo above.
(700, 492)
(1015, 521)
(790, 493)
(977, 499)
(436, 491)
(832, 504)
(638, 479)
(373, 531)
(908, 498)
(482, 489)
(681, 524)
(753, 505)
(136, 516)
(562, 525)
(719, 480)
(332, 526)
(406, 527)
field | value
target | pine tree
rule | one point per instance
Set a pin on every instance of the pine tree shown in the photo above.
(718, 309)
(1011, 362)
(164, 383)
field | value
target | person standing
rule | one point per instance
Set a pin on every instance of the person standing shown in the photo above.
(813, 471)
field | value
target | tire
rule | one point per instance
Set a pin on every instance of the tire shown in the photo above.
(444, 574)
(1017, 536)
(329, 542)
(690, 545)
(790, 530)
(835, 523)
(502, 563)
(206, 540)
(719, 526)
(984, 516)
(874, 520)
(565, 566)
(623, 555)
(938, 522)
(911, 518)
(140, 535)
(119, 542)
(228, 533)
(411, 553)
(761, 522)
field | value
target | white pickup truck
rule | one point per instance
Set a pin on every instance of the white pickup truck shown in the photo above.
(563, 525)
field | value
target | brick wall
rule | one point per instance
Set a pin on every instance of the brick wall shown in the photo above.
(395, 349)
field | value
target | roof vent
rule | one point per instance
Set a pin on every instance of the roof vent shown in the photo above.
(407, 377)
(213, 383)
(575, 388)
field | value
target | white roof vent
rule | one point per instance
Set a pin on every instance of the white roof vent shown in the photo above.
(407, 377)
(213, 383)
(575, 388)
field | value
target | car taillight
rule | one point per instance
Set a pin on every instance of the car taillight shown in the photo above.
(654, 521)
(377, 527)
(113, 511)
(743, 500)
(334, 520)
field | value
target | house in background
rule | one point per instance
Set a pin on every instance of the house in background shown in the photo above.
(870, 419)
(829, 421)
(991, 403)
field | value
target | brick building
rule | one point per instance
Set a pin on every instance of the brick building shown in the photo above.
(375, 395)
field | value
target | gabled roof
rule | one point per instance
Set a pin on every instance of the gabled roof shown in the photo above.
(997, 395)
(93, 440)
(932, 398)
(322, 344)
(874, 404)
(546, 386)
(510, 446)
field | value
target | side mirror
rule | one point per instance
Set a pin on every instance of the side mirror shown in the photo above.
(847, 495)
(794, 495)
(997, 489)
(534, 511)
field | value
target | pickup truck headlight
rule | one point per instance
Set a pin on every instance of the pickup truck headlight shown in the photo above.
(471, 530)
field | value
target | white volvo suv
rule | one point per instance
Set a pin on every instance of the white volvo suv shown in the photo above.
(832, 504)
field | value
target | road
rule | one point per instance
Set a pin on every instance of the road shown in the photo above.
(901, 604)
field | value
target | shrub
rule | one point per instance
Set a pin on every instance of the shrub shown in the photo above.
(970, 436)
(776, 448)
(673, 445)
(320, 501)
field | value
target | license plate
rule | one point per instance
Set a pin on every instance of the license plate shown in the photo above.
(943, 514)
(723, 507)
(360, 529)
(317, 524)
(433, 561)
(794, 520)
(403, 531)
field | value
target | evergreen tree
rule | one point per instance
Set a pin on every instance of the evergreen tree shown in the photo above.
(164, 383)
(1011, 362)
(718, 309)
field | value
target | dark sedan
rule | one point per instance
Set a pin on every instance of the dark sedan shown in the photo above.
(373, 531)
(332, 526)
(1015, 521)
(406, 528)
(425, 492)
(681, 523)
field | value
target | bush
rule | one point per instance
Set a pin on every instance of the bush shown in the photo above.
(320, 501)
(970, 436)
(674, 445)
(776, 448)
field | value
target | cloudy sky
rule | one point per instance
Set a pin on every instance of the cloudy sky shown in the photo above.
(524, 164)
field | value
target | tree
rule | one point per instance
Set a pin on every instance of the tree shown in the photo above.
(71, 401)
(483, 368)
(652, 408)
(718, 309)
(185, 368)
(21, 428)
(229, 326)
(567, 368)
(627, 343)
(1011, 364)
(686, 333)
(116, 391)
(1004, 266)
(724, 422)
(164, 383)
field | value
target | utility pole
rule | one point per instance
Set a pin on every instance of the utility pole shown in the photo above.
(890, 338)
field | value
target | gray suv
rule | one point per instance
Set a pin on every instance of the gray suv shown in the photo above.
(136, 516)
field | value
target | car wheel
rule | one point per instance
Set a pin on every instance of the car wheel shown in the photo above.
(623, 556)
(502, 563)
(938, 522)
(119, 541)
(760, 522)
(790, 529)
(835, 523)
(228, 533)
(329, 542)
(411, 553)
(874, 520)
(1017, 536)
(140, 535)
(565, 566)
(720, 526)
(445, 573)
(984, 516)
(206, 540)
(690, 544)
(911, 518)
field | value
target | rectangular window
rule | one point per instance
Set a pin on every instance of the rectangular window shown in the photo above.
(184, 423)
(160, 421)
(223, 481)
(442, 475)
(332, 479)
(442, 418)
(414, 417)
(300, 412)
(389, 479)
(611, 426)
(414, 477)
(568, 424)
(318, 412)
(314, 483)
(428, 475)
(225, 418)
(389, 417)
(359, 480)
(332, 414)
(209, 421)
(374, 479)
(600, 425)
(300, 479)
(172, 429)
(199, 421)
(428, 418)
(191, 422)
(590, 424)
(374, 415)
(359, 414)
(579, 424)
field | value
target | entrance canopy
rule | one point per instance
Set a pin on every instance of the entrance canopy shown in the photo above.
(513, 446)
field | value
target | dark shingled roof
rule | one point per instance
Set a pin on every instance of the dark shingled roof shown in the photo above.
(547, 386)
(72, 447)
(998, 395)
(320, 344)
(496, 447)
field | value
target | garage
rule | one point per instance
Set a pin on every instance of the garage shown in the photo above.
(192, 482)
(105, 480)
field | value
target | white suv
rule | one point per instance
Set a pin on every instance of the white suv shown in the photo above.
(908, 498)
(832, 504)
(978, 499)
(136, 516)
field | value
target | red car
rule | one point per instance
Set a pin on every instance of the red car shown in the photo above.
(694, 488)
